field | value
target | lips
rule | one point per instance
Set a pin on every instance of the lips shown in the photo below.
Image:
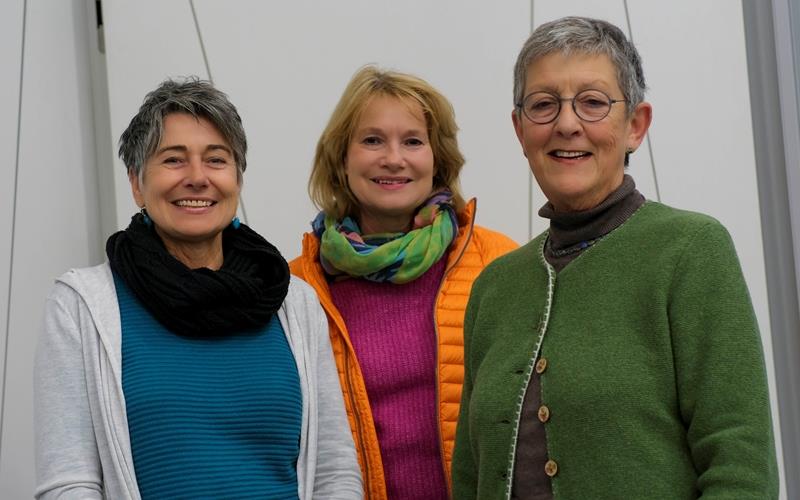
(390, 181)
(568, 155)
(190, 203)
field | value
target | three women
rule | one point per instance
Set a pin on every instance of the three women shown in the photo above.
(616, 355)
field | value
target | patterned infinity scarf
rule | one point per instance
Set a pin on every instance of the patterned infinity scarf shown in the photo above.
(393, 257)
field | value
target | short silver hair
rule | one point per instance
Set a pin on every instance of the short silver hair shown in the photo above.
(191, 95)
(583, 35)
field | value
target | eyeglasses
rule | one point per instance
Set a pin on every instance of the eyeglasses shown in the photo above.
(544, 107)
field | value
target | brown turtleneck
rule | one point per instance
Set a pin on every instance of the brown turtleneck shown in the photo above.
(571, 233)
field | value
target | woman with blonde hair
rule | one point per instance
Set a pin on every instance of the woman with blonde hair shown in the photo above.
(392, 256)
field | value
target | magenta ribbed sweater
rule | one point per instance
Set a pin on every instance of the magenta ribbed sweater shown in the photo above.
(392, 331)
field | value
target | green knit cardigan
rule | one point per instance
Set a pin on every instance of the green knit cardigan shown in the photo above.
(655, 376)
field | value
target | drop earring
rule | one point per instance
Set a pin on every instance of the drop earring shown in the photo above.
(236, 223)
(146, 218)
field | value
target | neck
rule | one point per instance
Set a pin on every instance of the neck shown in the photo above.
(572, 232)
(196, 254)
(375, 225)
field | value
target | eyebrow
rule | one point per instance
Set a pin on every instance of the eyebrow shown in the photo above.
(380, 131)
(183, 149)
(593, 84)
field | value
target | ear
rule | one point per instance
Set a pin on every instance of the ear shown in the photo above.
(516, 119)
(639, 124)
(136, 189)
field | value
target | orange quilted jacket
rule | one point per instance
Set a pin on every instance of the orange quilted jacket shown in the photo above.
(473, 248)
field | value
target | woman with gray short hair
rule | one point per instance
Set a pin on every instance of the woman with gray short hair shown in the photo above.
(190, 364)
(617, 355)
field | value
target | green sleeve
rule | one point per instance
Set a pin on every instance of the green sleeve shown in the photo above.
(720, 375)
(464, 467)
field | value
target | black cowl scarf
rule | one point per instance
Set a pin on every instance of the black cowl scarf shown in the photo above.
(241, 296)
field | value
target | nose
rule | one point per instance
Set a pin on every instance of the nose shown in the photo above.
(394, 156)
(196, 175)
(567, 122)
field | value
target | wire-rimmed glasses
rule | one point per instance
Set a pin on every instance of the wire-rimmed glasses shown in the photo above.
(590, 105)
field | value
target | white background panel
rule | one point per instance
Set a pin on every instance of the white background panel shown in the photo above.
(285, 65)
(10, 58)
(56, 208)
(147, 41)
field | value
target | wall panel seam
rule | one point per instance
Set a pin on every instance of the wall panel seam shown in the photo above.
(13, 225)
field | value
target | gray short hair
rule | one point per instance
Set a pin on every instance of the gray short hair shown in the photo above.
(191, 95)
(583, 35)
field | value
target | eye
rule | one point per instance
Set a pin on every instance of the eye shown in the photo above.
(217, 161)
(414, 141)
(541, 103)
(593, 100)
(371, 140)
(173, 160)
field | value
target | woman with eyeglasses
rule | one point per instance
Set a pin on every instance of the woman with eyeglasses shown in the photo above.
(617, 354)
(392, 255)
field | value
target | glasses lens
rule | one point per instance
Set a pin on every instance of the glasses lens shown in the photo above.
(592, 105)
(540, 107)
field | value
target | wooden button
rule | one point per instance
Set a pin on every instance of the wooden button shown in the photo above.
(541, 365)
(544, 413)
(551, 468)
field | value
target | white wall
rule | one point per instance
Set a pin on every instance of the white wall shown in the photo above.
(56, 212)
(284, 64)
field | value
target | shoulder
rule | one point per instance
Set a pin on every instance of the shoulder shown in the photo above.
(92, 284)
(673, 219)
(492, 243)
(519, 257)
(521, 265)
(308, 257)
(301, 295)
(676, 228)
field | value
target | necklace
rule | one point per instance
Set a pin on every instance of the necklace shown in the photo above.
(580, 246)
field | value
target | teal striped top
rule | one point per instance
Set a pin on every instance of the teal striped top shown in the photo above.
(209, 418)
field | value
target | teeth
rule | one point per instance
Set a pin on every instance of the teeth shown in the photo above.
(390, 181)
(193, 203)
(569, 154)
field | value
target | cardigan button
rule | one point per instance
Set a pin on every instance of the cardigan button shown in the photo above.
(541, 365)
(551, 468)
(544, 414)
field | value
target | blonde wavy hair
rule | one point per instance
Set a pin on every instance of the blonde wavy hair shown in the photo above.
(328, 186)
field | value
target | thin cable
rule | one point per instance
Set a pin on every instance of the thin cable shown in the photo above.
(13, 224)
(647, 136)
(200, 39)
(530, 177)
(211, 79)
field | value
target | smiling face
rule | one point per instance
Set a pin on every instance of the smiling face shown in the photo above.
(389, 164)
(576, 163)
(190, 185)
